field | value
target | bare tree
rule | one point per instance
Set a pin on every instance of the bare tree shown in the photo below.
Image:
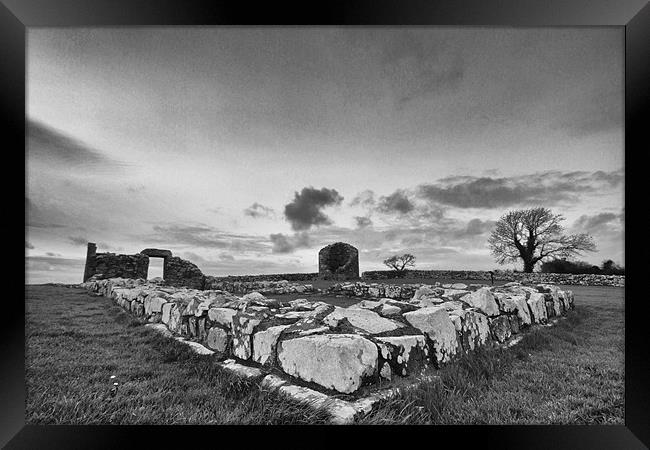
(399, 263)
(533, 235)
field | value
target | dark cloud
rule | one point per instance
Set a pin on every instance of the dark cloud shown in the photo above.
(78, 240)
(257, 210)
(477, 227)
(305, 209)
(363, 222)
(541, 188)
(597, 221)
(48, 145)
(52, 254)
(29, 245)
(397, 202)
(288, 244)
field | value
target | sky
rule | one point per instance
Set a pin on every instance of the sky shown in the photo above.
(247, 149)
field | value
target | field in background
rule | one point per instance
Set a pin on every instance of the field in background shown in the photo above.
(569, 373)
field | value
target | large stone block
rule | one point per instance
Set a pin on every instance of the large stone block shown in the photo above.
(483, 300)
(218, 340)
(537, 305)
(334, 361)
(436, 324)
(364, 319)
(264, 344)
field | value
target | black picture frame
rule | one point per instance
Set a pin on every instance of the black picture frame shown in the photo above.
(18, 15)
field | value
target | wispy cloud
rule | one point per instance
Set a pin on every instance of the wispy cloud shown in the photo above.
(257, 210)
(397, 202)
(50, 146)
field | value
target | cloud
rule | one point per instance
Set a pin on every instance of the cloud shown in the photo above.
(29, 245)
(226, 257)
(78, 240)
(365, 199)
(397, 202)
(203, 237)
(257, 210)
(53, 254)
(597, 221)
(305, 209)
(541, 188)
(477, 227)
(363, 222)
(288, 244)
(51, 146)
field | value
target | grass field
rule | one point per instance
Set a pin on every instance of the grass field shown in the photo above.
(569, 373)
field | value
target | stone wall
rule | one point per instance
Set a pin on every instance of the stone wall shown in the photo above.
(111, 265)
(263, 287)
(338, 261)
(341, 350)
(180, 272)
(269, 277)
(176, 271)
(535, 277)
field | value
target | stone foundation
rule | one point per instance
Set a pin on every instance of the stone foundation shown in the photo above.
(340, 350)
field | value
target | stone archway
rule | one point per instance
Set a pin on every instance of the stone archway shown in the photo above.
(339, 261)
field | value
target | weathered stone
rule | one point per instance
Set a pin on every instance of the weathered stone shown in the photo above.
(364, 319)
(175, 318)
(222, 316)
(406, 354)
(537, 306)
(459, 286)
(153, 304)
(500, 327)
(156, 252)
(389, 310)
(514, 324)
(474, 330)
(454, 294)
(218, 340)
(436, 324)
(264, 343)
(166, 308)
(242, 329)
(312, 358)
(483, 300)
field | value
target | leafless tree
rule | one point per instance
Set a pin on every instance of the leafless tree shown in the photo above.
(533, 235)
(399, 263)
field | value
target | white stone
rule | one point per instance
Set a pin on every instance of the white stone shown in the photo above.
(334, 361)
(389, 310)
(406, 344)
(166, 308)
(253, 296)
(222, 316)
(362, 318)
(459, 286)
(386, 372)
(537, 305)
(217, 339)
(483, 300)
(264, 343)
(438, 326)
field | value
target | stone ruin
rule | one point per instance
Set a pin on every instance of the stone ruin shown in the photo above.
(342, 351)
(338, 261)
(176, 271)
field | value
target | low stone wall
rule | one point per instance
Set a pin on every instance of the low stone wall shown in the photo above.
(269, 277)
(522, 277)
(263, 287)
(342, 349)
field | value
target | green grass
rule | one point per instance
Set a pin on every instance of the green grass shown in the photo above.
(569, 373)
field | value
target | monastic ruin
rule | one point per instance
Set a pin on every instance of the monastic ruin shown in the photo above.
(338, 261)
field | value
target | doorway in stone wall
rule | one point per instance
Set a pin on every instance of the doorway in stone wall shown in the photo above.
(155, 268)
